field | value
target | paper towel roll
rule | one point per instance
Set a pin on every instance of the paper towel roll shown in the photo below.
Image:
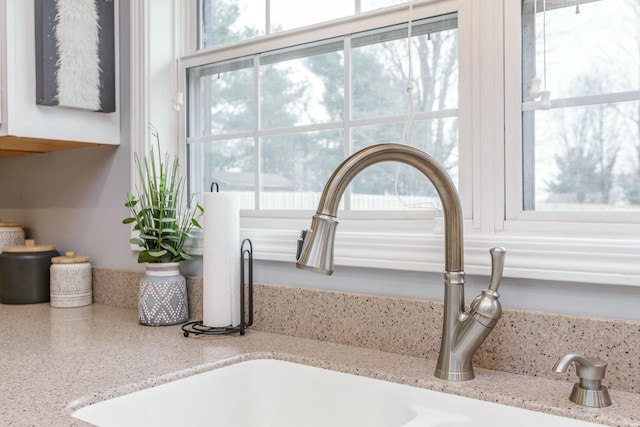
(221, 260)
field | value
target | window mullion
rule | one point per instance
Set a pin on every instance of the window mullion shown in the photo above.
(528, 34)
(513, 152)
(582, 101)
(488, 110)
(257, 152)
(346, 114)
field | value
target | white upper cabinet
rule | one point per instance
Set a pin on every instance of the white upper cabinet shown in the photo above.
(28, 127)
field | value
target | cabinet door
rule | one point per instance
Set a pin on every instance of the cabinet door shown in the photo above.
(22, 118)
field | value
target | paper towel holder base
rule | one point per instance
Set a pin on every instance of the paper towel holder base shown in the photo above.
(246, 316)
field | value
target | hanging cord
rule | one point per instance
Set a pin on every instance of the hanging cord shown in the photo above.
(410, 113)
(545, 103)
(535, 28)
(534, 90)
(410, 109)
(544, 42)
(406, 133)
(178, 96)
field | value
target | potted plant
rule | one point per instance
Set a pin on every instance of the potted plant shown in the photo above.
(164, 220)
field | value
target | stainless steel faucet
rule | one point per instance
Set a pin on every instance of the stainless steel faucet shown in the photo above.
(462, 332)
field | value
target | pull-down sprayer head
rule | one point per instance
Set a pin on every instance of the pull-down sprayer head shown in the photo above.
(315, 246)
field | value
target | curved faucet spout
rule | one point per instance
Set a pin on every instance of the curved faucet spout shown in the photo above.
(462, 333)
(325, 219)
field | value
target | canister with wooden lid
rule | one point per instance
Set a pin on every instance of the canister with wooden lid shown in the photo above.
(24, 273)
(71, 281)
(11, 234)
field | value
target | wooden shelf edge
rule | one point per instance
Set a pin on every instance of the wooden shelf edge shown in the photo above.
(14, 146)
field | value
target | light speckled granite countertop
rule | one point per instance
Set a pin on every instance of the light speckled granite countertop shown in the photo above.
(54, 361)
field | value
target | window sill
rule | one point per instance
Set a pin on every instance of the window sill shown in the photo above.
(597, 260)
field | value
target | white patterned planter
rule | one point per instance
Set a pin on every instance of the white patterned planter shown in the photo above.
(162, 297)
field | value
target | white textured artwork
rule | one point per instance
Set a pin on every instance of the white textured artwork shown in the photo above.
(78, 75)
(75, 54)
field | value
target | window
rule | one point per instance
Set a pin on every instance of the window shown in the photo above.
(274, 106)
(275, 124)
(581, 151)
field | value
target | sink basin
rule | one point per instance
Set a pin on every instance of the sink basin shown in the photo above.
(266, 392)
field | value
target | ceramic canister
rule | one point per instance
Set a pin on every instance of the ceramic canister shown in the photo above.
(71, 281)
(11, 234)
(24, 273)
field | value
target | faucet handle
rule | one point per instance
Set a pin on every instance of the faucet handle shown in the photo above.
(497, 267)
(589, 391)
(486, 308)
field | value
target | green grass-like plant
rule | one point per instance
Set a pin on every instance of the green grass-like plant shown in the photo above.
(159, 210)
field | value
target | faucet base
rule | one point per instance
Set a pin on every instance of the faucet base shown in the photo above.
(454, 376)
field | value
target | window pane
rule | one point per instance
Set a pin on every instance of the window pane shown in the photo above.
(304, 90)
(380, 70)
(223, 98)
(229, 163)
(394, 186)
(438, 138)
(295, 167)
(587, 158)
(367, 5)
(592, 52)
(227, 21)
(289, 14)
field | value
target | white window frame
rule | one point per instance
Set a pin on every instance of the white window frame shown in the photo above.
(603, 223)
(540, 245)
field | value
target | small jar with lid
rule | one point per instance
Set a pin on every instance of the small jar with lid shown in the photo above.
(11, 234)
(71, 281)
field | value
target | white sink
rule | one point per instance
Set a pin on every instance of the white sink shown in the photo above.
(261, 393)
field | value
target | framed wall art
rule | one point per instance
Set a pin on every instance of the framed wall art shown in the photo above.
(75, 54)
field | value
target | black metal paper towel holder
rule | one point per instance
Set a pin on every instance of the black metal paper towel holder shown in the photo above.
(246, 316)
